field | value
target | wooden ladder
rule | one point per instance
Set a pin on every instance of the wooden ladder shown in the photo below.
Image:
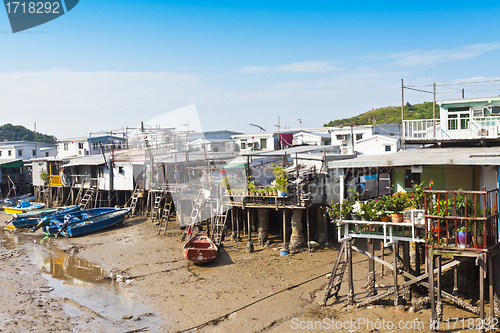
(156, 214)
(134, 199)
(195, 213)
(87, 197)
(24, 189)
(167, 209)
(337, 275)
(219, 224)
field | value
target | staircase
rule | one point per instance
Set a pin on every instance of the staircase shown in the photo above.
(167, 209)
(87, 197)
(333, 286)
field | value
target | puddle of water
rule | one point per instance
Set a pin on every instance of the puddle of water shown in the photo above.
(84, 282)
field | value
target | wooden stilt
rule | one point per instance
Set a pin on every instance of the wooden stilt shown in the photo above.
(406, 267)
(417, 259)
(249, 243)
(371, 268)
(350, 274)
(430, 270)
(382, 256)
(481, 288)
(490, 286)
(308, 232)
(284, 227)
(395, 273)
(439, 303)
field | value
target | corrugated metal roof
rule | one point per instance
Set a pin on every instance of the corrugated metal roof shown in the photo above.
(425, 156)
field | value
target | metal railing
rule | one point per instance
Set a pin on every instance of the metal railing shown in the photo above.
(453, 129)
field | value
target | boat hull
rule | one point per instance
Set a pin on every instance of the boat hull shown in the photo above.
(19, 210)
(200, 249)
(31, 218)
(85, 221)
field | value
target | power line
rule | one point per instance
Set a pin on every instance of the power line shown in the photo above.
(456, 83)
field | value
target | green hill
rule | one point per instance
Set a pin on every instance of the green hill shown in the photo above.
(9, 132)
(387, 115)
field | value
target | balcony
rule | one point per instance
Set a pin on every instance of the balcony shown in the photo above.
(423, 131)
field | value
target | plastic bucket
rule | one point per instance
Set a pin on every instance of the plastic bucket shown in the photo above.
(284, 252)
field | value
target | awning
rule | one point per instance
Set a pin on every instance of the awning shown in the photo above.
(89, 162)
(232, 166)
(12, 164)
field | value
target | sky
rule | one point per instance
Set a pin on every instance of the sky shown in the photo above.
(107, 65)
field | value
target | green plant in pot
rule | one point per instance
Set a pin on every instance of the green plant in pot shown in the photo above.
(396, 204)
(44, 177)
(339, 211)
(280, 180)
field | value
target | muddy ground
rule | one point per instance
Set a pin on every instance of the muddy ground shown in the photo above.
(239, 292)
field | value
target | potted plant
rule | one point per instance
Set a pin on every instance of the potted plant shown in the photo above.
(461, 237)
(281, 182)
(339, 211)
(357, 211)
(396, 204)
(44, 176)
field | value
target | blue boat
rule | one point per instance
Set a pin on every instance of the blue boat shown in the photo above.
(23, 206)
(15, 200)
(85, 221)
(32, 218)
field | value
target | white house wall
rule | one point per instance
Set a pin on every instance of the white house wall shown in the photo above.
(123, 181)
(37, 169)
(376, 146)
(488, 177)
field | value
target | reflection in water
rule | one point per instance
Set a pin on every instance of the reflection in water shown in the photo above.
(84, 282)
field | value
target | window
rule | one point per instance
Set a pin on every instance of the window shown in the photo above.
(387, 148)
(452, 122)
(19, 152)
(342, 137)
(244, 144)
(46, 154)
(359, 137)
(34, 152)
(216, 149)
(80, 145)
(95, 145)
(66, 146)
(411, 179)
(0, 153)
(263, 143)
(10, 152)
(464, 121)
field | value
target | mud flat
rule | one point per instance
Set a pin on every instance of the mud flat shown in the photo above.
(128, 278)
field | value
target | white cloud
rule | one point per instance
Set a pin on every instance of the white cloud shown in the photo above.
(296, 67)
(419, 58)
(306, 67)
(254, 69)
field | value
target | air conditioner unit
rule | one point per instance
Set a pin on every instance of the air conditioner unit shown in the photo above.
(483, 132)
(82, 152)
(231, 146)
(347, 151)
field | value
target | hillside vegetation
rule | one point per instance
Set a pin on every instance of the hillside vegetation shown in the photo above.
(387, 115)
(9, 132)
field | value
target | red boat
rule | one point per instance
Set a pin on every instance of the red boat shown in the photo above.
(200, 249)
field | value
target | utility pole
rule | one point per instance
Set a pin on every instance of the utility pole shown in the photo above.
(401, 134)
(434, 109)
